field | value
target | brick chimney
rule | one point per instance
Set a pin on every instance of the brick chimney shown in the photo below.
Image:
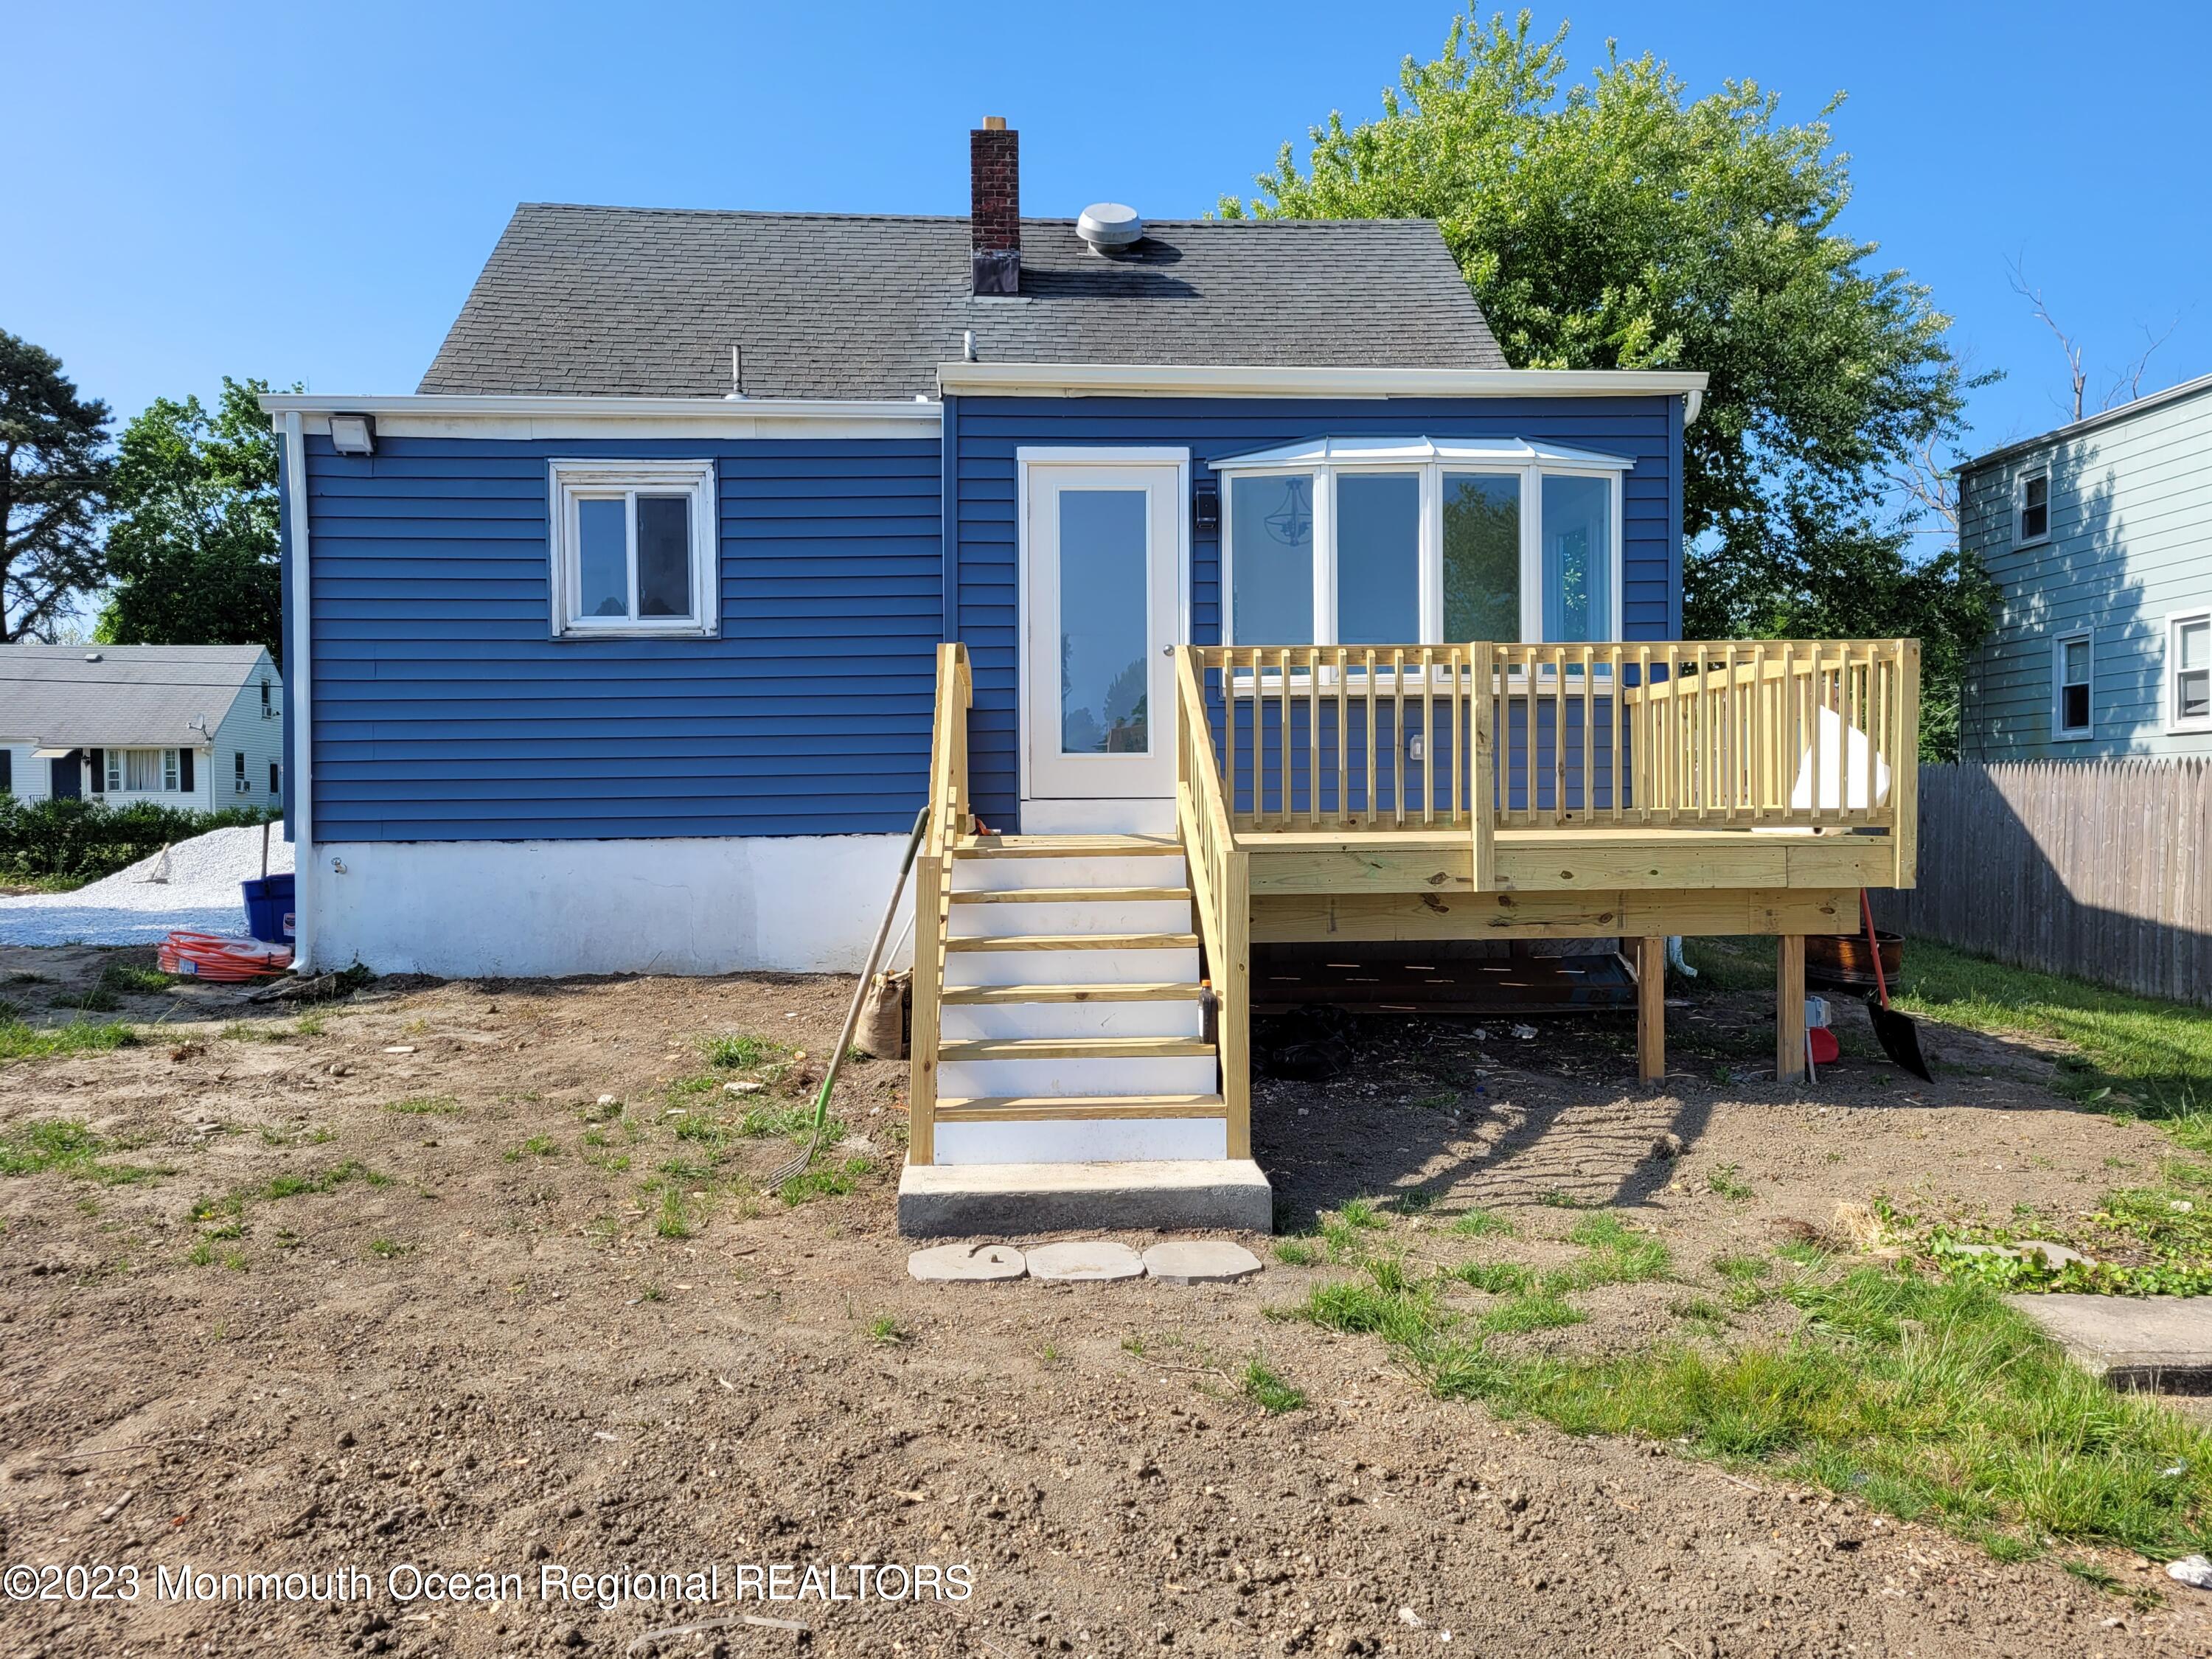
(994, 214)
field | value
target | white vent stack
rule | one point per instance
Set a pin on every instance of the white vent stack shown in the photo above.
(1109, 226)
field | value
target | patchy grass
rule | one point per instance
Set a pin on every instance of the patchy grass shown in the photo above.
(824, 1180)
(130, 979)
(737, 1051)
(1266, 1388)
(793, 1123)
(385, 1249)
(536, 1146)
(1538, 1311)
(1925, 1398)
(19, 1041)
(1297, 1252)
(673, 1220)
(425, 1106)
(1726, 1181)
(1482, 1223)
(229, 1208)
(1614, 1254)
(885, 1329)
(1498, 1278)
(67, 1146)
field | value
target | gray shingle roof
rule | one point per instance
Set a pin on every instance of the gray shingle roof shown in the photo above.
(134, 694)
(611, 301)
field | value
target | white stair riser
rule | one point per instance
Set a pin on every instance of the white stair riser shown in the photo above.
(1088, 1140)
(1171, 1018)
(1006, 920)
(1174, 965)
(1084, 870)
(1151, 1074)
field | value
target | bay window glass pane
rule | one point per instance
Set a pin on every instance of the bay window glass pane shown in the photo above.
(1105, 670)
(1577, 539)
(603, 558)
(1482, 557)
(1378, 558)
(1271, 554)
(664, 556)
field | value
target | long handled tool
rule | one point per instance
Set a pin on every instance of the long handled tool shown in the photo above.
(1899, 1036)
(784, 1172)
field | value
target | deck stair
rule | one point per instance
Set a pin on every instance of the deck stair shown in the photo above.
(1071, 998)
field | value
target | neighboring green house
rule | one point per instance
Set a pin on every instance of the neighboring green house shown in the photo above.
(2099, 536)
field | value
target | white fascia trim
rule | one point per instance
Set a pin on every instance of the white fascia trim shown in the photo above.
(1229, 380)
(1338, 451)
(553, 416)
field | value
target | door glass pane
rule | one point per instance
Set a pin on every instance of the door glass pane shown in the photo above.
(1104, 661)
(1378, 558)
(664, 556)
(1577, 558)
(603, 557)
(1482, 556)
(1271, 553)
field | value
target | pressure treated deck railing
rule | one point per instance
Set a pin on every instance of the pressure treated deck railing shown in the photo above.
(949, 818)
(1658, 734)
(1221, 893)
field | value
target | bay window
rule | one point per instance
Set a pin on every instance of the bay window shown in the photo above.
(1420, 541)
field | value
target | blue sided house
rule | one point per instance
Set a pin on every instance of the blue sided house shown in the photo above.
(1203, 586)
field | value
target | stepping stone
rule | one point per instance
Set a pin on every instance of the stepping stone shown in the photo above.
(1200, 1261)
(2162, 1342)
(962, 1264)
(1089, 1259)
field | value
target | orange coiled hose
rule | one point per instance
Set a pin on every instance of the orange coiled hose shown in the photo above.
(222, 956)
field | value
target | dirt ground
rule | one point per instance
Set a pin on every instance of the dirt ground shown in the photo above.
(407, 1289)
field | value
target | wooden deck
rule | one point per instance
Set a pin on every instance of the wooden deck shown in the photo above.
(1329, 794)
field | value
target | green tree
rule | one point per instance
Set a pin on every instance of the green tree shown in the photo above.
(193, 549)
(1621, 224)
(54, 476)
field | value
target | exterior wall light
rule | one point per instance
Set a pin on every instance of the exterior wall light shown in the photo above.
(354, 434)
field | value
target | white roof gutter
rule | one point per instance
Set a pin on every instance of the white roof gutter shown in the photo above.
(1268, 380)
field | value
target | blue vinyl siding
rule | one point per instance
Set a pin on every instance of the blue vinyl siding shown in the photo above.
(445, 710)
(981, 434)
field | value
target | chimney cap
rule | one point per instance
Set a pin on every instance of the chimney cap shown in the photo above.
(994, 123)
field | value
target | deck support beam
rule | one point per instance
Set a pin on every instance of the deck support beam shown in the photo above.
(1652, 1009)
(1790, 1008)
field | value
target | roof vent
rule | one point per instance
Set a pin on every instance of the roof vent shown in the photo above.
(1109, 226)
(92, 656)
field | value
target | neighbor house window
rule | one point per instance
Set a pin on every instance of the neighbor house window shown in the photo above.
(276, 776)
(634, 548)
(2189, 672)
(143, 771)
(265, 709)
(2071, 671)
(2032, 508)
(238, 771)
(1421, 542)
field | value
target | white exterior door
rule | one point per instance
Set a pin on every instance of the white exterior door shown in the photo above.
(1102, 561)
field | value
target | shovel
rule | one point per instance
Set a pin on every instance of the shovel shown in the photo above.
(1899, 1036)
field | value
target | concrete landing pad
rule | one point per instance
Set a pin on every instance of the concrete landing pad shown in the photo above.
(2160, 1342)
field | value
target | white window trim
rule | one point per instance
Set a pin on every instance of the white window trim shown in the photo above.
(2020, 537)
(2060, 732)
(1498, 462)
(569, 481)
(2175, 621)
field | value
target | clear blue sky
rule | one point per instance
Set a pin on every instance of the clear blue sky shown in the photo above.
(305, 191)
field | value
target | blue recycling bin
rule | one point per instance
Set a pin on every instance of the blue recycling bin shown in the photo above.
(268, 910)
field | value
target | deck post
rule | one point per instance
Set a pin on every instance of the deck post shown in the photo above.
(1233, 986)
(1481, 775)
(1790, 1008)
(1650, 1009)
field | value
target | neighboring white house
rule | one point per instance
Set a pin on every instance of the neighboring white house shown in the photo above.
(191, 726)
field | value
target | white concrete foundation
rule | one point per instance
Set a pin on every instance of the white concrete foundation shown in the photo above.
(539, 908)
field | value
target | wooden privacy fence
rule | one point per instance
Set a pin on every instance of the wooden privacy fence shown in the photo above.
(2098, 869)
